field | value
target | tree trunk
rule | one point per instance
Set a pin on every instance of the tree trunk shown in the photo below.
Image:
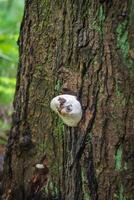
(84, 48)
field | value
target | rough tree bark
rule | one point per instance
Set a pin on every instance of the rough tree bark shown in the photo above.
(85, 48)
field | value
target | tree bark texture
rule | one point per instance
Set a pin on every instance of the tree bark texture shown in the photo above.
(86, 48)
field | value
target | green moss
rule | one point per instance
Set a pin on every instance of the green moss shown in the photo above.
(46, 4)
(121, 193)
(122, 38)
(58, 86)
(118, 158)
(101, 14)
(120, 100)
(52, 189)
(87, 196)
(86, 193)
(123, 41)
(98, 24)
(59, 129)
(42, 146)
(132, 8)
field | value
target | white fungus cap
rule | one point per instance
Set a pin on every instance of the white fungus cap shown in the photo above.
(39, 166)
(60, 104)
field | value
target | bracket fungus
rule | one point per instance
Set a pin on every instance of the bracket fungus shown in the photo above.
(68, 108)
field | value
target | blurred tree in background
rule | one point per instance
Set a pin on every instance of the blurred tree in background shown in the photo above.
(10, 16)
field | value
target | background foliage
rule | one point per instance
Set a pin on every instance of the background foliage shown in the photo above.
(10, 18)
